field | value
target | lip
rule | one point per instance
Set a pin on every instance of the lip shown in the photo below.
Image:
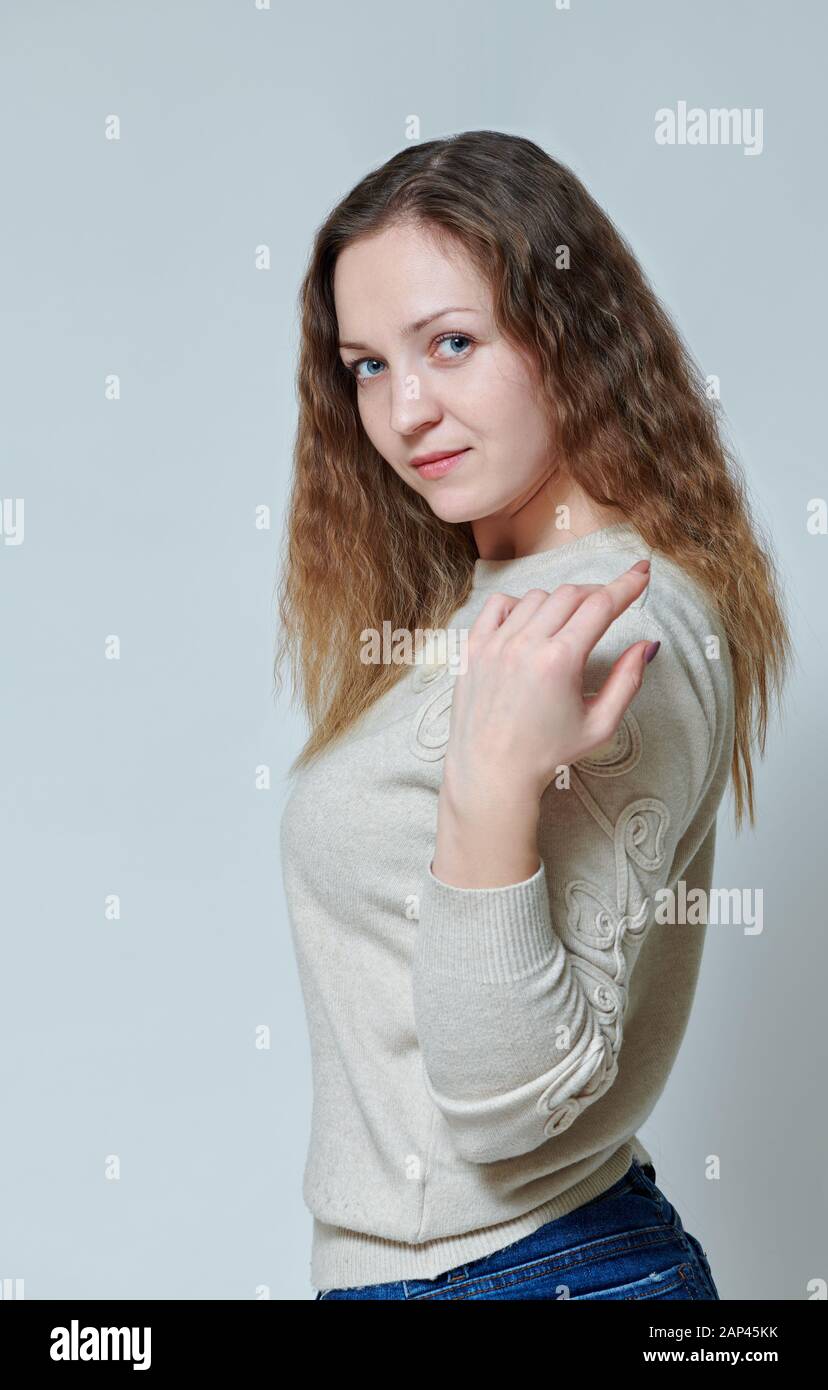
(435, 465)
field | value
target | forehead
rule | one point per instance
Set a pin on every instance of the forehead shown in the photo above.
(398, 275)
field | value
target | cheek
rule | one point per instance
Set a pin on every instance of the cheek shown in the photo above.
(368, 417)
(491, 418)
(505, 387)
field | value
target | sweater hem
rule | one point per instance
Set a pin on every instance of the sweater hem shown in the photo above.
(345, 1259)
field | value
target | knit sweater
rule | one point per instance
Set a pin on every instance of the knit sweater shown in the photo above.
(482, 1057)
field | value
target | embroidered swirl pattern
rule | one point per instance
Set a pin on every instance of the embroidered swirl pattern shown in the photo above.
(595, 922)
(429, 733)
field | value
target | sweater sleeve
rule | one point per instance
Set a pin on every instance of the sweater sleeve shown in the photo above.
(520, 991)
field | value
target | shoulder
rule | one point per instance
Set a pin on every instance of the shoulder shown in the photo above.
(672, 595)
(673, 609)
(682, 719)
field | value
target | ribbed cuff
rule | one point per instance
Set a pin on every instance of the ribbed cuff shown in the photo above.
(487, 935)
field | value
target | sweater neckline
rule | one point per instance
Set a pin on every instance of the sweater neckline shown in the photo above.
(493, 574)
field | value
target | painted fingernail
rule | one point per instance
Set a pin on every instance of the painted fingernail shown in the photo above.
(643, 566)
(649, 652)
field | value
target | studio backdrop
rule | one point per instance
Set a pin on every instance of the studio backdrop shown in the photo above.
(165, 168)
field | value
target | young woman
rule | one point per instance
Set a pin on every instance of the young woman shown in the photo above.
(488, 856)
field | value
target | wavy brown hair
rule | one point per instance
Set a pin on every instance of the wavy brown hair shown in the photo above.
(631, 414)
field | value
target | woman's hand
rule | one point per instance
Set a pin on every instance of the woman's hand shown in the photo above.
(519, 713)
(518, 710)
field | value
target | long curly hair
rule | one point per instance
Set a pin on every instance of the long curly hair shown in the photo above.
(632, 415)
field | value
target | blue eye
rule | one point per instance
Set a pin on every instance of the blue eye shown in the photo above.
(353, 367)
(453, 337)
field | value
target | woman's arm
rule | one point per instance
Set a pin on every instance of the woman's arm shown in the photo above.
(531, 924)
(480, 846)
(519, 714)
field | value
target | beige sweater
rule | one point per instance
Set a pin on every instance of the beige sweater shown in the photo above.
(482, 1058)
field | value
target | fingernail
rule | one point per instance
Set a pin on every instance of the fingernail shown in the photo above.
(649, 652)
(643, 566)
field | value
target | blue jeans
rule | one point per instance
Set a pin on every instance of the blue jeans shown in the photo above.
(629, 1243)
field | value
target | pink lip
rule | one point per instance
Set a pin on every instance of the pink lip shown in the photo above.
(435, 465)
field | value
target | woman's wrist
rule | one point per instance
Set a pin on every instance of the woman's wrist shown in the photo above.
(486, 837)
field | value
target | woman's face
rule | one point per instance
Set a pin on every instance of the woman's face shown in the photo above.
(450, 384)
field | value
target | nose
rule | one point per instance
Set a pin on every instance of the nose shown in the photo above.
(413, 403)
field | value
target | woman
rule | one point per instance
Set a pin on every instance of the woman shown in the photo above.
(503, 441)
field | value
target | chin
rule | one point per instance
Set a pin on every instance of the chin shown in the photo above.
(456, 507)
(454, 512)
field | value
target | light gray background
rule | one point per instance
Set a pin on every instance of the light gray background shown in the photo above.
(241, 127)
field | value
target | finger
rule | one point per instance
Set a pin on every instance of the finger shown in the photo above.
(566, 600)
(493, 613)
(606, 709)
(598, 611)
(540, 608)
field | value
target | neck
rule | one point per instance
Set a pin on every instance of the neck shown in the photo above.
(556, 512)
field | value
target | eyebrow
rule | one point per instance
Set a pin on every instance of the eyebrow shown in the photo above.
(412, 328)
